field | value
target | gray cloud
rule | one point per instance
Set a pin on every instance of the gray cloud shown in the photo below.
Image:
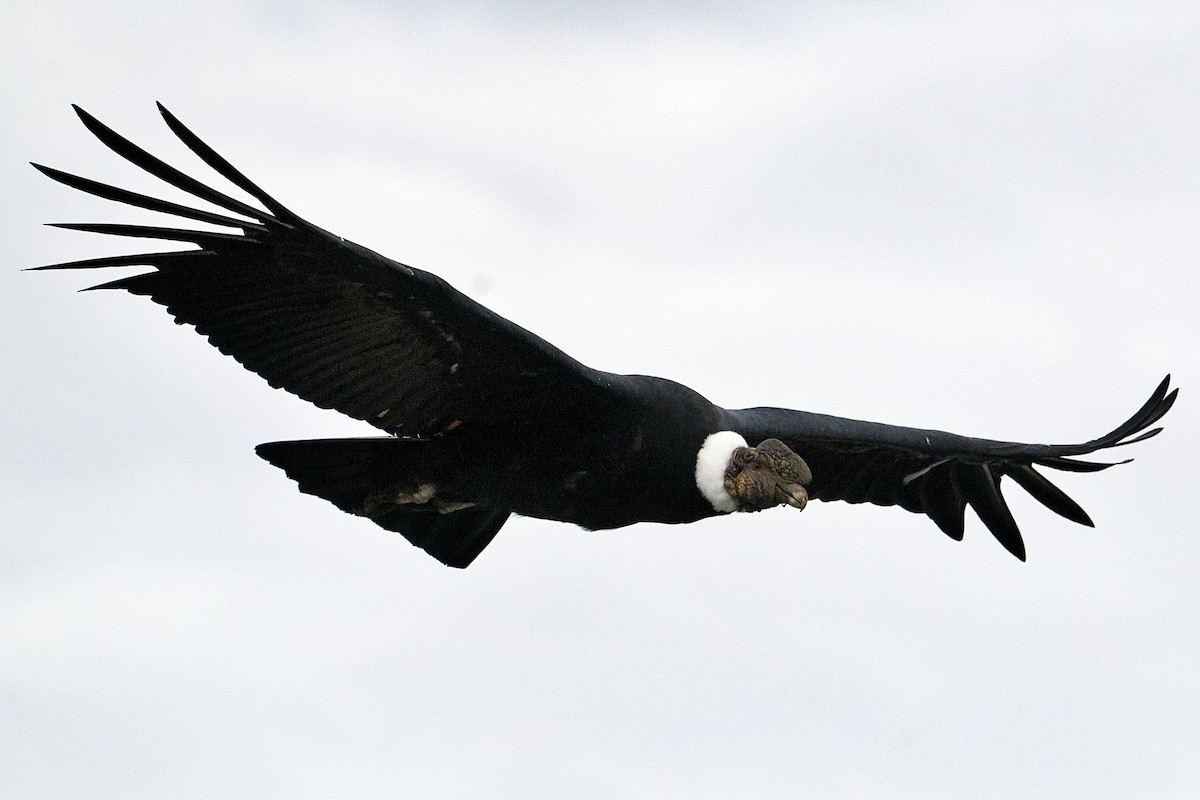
(966, 216)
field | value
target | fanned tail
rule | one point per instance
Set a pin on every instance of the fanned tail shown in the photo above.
(365, 476)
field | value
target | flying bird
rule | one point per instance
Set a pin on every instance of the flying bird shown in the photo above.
(485, 419)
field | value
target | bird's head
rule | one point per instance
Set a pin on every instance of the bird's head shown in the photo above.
(767, 476)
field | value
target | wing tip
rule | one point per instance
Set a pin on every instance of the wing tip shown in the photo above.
(86, 118)
(49, 172)
(1010, 539)
(1131, 431)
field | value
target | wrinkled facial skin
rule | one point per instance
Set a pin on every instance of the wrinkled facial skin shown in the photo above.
(767, 476)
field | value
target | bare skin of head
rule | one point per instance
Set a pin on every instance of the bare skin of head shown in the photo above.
(766, 476)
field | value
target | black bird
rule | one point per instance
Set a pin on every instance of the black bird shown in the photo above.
(485, 419)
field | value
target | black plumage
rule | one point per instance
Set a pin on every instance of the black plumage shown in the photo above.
(486, 419)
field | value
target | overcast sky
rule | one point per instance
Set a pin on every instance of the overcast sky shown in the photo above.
(978, 217)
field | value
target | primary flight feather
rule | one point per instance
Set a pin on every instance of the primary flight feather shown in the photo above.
(486, 420)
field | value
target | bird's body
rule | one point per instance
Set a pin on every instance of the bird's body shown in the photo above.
(485, 419)
(631, 459)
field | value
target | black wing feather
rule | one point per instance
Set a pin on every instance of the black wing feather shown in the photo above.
(940, 498)
(1046, 493)
(143, 201)
(160, 169)
(937, 473)
(218, 163)
(202, 238)
(982, 491)
(323, 318)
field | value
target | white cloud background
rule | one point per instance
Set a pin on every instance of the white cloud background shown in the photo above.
(973, 216)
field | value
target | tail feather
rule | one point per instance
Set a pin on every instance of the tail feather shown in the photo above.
(454, 539)
(393, 482)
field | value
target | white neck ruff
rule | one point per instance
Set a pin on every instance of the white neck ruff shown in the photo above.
(711, 462)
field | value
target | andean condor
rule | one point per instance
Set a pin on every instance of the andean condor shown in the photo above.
(484, 419)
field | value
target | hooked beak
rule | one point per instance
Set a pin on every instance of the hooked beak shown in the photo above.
(793, 494)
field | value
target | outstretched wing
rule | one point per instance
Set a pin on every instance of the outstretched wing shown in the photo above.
(324, 318)
(936, 473)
